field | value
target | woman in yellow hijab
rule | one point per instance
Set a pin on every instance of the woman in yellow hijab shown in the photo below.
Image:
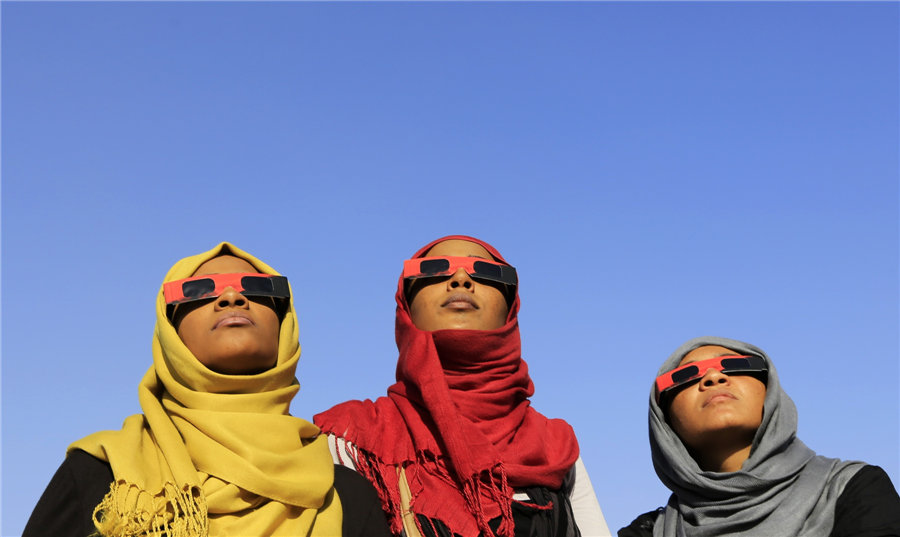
(215, 452)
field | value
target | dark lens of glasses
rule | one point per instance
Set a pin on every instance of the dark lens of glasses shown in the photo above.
(487, 270)
(256, 284)
(735, 364)
(198, 288)
(685, 374)
(434, 266)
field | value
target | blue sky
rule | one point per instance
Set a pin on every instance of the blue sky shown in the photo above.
(656, 171)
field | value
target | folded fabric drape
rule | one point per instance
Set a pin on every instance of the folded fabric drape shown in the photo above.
(783, 488)
(215, 454)
(459, 421)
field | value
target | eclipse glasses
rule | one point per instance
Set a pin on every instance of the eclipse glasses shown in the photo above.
(213, 285)
(668, 384)
(475, 267)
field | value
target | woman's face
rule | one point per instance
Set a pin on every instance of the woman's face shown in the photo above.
(719, 409)
(457, 302)
(230, 334)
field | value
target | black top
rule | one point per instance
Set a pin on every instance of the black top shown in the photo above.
(867, 507)
(67, 506)
(547, 514)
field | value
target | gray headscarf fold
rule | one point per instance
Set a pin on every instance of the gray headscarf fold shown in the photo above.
(783, 488)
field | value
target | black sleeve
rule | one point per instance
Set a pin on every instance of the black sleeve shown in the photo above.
(868, 506)
(363, 516)
(67, 506)
(642, 526)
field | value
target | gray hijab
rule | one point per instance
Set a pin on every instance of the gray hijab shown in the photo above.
(783, 488)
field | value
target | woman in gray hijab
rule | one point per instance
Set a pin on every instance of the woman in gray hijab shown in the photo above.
(723, 440)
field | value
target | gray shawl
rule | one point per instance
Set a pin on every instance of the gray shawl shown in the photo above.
(783, 488)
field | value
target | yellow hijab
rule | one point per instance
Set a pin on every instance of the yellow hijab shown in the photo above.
(214, 454)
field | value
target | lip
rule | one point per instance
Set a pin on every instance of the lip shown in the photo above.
(717, 397)
(460, 301)
(233, 319)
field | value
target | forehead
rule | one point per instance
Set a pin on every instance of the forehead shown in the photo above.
(706, 352)
(224, 264)
(459, 248)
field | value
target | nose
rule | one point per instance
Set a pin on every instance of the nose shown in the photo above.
(713, 377)
(230, 298)
(459, 279)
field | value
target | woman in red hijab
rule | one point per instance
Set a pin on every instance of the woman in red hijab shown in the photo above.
(455, 447)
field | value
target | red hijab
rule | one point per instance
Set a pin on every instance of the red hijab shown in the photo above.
(459, 421)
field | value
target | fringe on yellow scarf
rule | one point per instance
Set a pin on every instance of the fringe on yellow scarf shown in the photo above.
(127, 510)
(207, 445)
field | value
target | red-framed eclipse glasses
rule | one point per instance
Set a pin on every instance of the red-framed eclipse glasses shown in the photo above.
(213, 285)
(476, 267)
(668, 384)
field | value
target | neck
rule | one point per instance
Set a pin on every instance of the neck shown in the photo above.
(723, 459)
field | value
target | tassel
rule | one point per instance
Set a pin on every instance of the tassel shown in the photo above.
(384, 478)
(498, 490)
(129, 511)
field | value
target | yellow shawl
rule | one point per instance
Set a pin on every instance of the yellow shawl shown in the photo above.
(213, 454)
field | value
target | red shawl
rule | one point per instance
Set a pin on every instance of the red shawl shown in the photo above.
(459, 421)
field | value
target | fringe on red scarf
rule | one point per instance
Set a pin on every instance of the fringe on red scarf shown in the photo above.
(492, 484)
(499, 491)
(386, 484)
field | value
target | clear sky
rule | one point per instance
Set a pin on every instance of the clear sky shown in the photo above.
(656, 171)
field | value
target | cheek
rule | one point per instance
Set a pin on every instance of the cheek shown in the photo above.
(501, 312)
(415, 305)
(190, 335)
(759, 396)
(673, 416)
(678, 415)
(187, 326)
(419, 312)
(497, 310)
(420, 318)
(753, 389)
(274, 326)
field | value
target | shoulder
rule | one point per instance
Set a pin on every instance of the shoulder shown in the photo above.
(350, 484)
(365, 406)
(88, 469)
(585, 507)
(871, 475)
(552, 426)
(85, 473)
(868, 506)
(642, 526)
(367, 424)
(359, 502)
(340, 417)
(67, 505)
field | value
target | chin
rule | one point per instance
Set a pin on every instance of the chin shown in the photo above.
(242, 364)
(242, 370)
